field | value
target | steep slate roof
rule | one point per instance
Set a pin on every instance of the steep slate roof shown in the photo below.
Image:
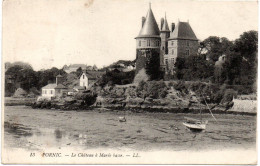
(60, 86)
(150, 27)
(54, 86)
(49, 86)
(165, 26)
(183, 30)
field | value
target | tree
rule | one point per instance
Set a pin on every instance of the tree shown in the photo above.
(213, 47)
(240, 66)
(116, 77)
(179, 67)
(25, 78)
(79, 71)
(194, 67)
(246, 46)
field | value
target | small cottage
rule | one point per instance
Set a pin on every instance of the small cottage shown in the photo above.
(55, 89)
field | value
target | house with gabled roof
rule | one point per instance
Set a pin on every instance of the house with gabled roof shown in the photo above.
(88, 78)
(54, 89)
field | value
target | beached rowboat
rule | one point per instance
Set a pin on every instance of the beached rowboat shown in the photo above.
(122, 119)
(194, 124)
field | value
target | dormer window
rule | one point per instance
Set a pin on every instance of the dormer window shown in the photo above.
(188, 44)
(83, 77)
(139, 43)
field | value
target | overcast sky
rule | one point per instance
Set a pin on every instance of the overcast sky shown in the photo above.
(47, 33)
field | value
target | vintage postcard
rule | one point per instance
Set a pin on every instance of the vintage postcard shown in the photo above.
(129, 82)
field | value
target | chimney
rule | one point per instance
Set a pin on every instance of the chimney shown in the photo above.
(59, 79)
(162, 21)
(173, 27)
(143, 20)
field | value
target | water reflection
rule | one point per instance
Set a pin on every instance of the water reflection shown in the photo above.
(17, 130)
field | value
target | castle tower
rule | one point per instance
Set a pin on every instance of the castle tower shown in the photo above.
(182, 43)
(164, 34)
(148, 42)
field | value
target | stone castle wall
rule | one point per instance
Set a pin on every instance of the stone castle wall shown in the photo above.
(184, 45)
(143, 55)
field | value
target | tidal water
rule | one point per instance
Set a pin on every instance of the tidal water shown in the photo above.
(37, 129)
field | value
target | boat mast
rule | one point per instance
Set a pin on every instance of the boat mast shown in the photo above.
(209, 108)
(199, 107)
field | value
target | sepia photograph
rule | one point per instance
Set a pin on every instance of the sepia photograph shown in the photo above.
(129, 82)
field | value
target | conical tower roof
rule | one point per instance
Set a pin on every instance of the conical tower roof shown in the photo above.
(165, 26)
(150, 27)
(183, 30)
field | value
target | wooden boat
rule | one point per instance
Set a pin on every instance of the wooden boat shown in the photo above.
(122, 119)
(194, 124)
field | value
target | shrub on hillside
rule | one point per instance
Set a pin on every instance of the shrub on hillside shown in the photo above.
(157, 89)
(116, 77)
(180, 86)
(141, 89)
(152, 89)
(87, 98)
(228, 96)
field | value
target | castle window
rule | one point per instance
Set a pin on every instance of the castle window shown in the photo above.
(139, 43)
(157, 43)
(148, 42)
(188, 44)
(172, 51)
(187, 52)
(172, 60)
(166, 63)
(162, 48)
(51, 91)
(172, 43)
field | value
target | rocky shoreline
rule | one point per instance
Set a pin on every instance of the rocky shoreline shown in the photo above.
(152, 97)
(194, 109)
(132, 108)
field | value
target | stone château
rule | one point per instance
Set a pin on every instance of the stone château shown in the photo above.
(163, 43)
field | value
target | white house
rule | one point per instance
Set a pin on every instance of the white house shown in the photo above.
(52, 90)
(48, 91)
(83, 81)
